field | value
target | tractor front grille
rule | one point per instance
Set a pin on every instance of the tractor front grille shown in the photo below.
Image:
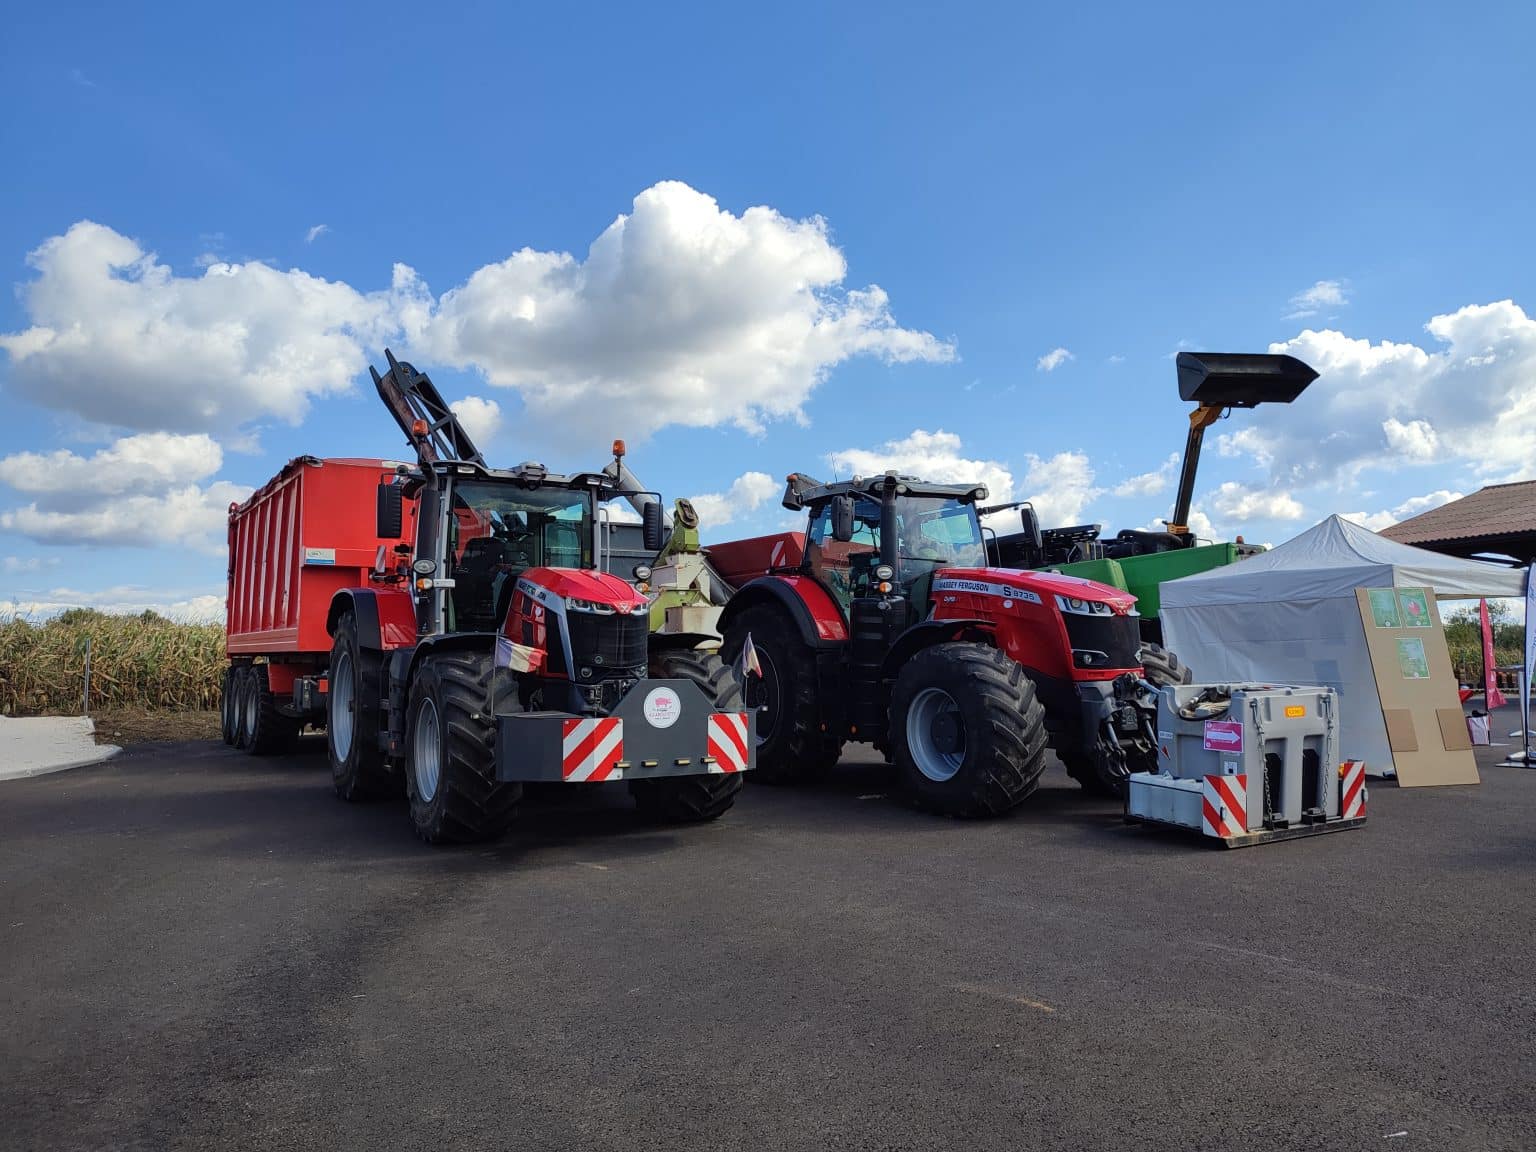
(604, 645)
(1100, 643)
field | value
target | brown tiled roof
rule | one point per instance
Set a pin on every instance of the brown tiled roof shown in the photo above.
(1499, 510)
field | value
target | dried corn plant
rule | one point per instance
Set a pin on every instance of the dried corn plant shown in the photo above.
(144, 661)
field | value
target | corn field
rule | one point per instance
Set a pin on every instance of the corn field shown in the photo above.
(141, 661)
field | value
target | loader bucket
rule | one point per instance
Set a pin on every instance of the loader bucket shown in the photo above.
(1241, 379)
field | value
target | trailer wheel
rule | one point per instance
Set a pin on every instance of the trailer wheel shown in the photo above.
(790, 748)
(692, 799)
(1161, 667)
(267, 731)
(227, 726)
(450, 766)
(234, 698)
(967, 733)
(351, 715)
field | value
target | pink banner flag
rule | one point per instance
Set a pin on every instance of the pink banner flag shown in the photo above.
(1491, 694)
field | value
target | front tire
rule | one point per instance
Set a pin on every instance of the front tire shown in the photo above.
(450, 752)
(351, 719)
(791, 749)
(701, 798)
(967, 733)
(1160, 667)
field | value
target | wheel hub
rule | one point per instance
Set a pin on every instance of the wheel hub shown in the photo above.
(936, 734)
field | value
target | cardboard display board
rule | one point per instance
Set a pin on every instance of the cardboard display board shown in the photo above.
(1417, 687)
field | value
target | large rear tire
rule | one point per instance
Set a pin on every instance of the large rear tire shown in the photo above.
(450, 752)
(267, 731)
(692, 799)
(791, 748)
(351, 719)
(967, 733)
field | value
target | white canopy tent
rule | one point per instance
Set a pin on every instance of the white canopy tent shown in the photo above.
(1290, 615)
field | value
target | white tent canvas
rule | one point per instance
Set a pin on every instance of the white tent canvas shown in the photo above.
(1290, 615)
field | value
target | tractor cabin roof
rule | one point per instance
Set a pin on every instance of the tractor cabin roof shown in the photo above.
(1497, 520)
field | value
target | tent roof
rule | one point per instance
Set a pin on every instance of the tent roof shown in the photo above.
(1334, 558)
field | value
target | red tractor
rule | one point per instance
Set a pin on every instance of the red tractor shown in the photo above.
(466, 640)
(888, 626)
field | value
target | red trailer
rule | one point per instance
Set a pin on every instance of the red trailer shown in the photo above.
(301, 538)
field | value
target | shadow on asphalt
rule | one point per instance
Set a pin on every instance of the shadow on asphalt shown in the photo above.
(285, 805)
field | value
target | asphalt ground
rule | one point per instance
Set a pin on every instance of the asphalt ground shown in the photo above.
(204, 950)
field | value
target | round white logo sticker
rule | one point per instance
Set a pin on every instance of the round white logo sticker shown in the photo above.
(662, 708)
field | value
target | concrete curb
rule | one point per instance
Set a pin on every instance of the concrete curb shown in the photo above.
(42, 745)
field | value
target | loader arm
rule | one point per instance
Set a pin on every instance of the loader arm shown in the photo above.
(430, 426)
(1217, 382)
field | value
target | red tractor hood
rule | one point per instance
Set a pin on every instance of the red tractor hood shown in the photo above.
(596, 587)
(999, 581)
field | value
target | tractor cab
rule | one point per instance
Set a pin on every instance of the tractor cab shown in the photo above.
(883, 538)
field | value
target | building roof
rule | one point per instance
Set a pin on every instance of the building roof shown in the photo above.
(1500, 518)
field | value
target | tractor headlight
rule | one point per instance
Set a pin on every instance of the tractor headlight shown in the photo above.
(641, 573)
(884, 573)
(1079, 607)
(576, 604)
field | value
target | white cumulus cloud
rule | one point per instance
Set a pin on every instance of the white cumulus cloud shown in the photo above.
(118, 338)
(189, 517)
(747, 493)
(1464, 400)
(936, 456)
(148, 462)
(1053, 360)
(1149, 483)
(1060, 487)
(681, 313)
(1234, 501)
(481, 418)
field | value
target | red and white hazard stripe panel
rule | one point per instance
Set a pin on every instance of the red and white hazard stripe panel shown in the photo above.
(1225, 811)
(728, 735)
(593, 749)
(1352, 790)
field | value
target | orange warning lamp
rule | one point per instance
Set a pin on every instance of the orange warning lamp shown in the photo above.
(618, 449)
(418, 429)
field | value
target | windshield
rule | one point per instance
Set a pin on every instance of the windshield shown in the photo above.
(936, 531)
(496, 529)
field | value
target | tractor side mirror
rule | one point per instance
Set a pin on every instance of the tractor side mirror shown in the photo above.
(651, 527)
(390, 512)
(842, 519)
(1031, 524)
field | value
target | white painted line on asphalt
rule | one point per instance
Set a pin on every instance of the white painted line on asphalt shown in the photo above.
(1006, 996)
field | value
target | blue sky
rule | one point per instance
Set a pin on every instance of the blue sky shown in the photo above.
(1113, 181)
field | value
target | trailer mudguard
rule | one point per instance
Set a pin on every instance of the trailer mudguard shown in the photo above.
(810, 606)
(386, 617)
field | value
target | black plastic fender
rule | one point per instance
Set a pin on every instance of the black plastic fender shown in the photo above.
(771, 590)
(929, 633)
(364, 605)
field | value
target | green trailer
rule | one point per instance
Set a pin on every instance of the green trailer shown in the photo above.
(1143, 576)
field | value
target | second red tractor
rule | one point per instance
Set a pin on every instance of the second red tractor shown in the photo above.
(892, 627)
